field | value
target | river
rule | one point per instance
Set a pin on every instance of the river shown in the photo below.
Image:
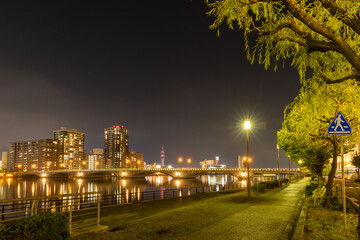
(13, 188)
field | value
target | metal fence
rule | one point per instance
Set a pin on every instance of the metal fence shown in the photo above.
(91, 202)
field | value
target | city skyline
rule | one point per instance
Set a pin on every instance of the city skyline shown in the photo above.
(164, 75)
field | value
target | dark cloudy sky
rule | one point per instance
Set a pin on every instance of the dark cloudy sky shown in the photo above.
(152, 66)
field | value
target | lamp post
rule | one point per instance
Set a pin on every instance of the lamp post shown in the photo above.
(180, 160)
(289, 171)
(247, 128)
(277, 147)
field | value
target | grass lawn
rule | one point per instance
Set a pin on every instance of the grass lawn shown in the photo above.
(171, 218)
(323, 223)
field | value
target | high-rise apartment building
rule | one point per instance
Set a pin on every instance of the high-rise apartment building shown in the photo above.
(32, 155)
(71, 153)
(116, 146)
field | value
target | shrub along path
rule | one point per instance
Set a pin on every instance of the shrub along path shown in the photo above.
(217, 215)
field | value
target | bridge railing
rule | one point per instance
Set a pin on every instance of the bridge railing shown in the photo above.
(73, 204)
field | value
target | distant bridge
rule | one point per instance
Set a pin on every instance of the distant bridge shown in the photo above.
(140, 173)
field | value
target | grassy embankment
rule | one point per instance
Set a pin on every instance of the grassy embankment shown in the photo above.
(322, 223)
(171, 218)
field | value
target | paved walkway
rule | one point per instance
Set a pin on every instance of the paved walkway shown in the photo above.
(267, 219)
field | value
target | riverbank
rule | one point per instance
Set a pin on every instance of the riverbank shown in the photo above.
(204, 216)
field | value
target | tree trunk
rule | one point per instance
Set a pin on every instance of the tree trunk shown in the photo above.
(319, 176)
(358, 172)
(329, 184)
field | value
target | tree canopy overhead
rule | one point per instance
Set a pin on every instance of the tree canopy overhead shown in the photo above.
(304, 132)
(321, 35)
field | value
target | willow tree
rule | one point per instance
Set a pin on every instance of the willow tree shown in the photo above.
(320, 35)
(313, 155)
(307, 118)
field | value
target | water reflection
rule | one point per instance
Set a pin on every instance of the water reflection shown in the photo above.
(11, 188)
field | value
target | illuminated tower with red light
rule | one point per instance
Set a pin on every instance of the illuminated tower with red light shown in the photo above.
(162, 156)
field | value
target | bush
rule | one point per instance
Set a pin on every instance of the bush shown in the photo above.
(284, 181)
(262, 186)
(43, 226)
(258, 188)
(309, 189)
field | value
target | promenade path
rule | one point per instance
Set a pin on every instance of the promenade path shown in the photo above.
(272, 218)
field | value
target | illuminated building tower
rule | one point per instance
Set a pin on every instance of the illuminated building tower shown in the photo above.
(96, 159)
(136, 160)
(71, 152)
(116, 147)
(162, 156)
(32, 155)
(4, 160)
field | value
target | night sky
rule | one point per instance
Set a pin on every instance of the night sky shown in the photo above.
(152, 66)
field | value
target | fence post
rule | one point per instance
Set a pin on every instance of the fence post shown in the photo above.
(173, 193)
(70, 219)
(154, 195)
(3, 213)
(34, 208)
(98, 212)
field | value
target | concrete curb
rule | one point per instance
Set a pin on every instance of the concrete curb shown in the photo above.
(300, 226)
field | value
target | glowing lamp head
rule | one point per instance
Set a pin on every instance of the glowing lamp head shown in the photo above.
(247, 124)
(189, 160)
(300, 161)
(180, 159)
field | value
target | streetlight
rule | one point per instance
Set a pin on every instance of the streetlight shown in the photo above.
(278, 148)
(247, 128)
(289, 170)
(180, 160)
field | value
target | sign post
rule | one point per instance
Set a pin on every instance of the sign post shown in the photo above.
(339, 126)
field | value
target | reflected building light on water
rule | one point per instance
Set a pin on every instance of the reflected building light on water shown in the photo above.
(223, 181)
(18, 190)
(177, 183)
(33, 189)
(123, 183)
(138, 194)
(9, 181)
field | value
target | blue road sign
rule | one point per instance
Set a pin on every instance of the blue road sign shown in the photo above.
(339, 126)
